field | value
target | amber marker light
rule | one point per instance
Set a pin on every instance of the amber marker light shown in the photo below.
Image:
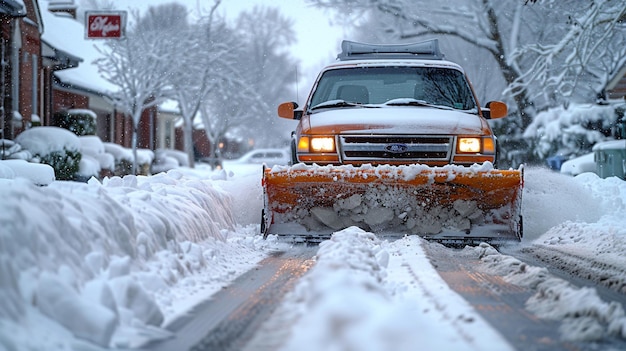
(303, 144)
(489, 146)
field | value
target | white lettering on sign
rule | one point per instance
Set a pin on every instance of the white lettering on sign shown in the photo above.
(105, 25)
(101, 24)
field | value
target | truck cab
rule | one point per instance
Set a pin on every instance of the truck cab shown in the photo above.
(392, 104)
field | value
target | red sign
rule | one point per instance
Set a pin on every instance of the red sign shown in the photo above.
(107, 25)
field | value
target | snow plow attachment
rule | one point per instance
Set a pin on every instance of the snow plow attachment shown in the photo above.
(450, 204)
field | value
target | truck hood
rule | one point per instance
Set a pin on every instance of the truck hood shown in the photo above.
(393, 120)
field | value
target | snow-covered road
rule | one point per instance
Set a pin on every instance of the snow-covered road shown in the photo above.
(89, 266)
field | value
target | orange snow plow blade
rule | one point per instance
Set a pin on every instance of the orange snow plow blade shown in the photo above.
(450, 204)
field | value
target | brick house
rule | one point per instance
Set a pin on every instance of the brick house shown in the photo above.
(80, 86)
(45, 74)
(22, 72)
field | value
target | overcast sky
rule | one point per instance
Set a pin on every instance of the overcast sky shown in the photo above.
(318, 39)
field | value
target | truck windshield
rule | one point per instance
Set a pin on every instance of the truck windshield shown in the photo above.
(377, 85)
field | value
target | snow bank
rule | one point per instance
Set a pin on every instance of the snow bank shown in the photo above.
(582, 313)
(353, 304)
(120, 153)
(166, 159)
(81, 253)
(551, 198)
(580, 222)
(592, 246)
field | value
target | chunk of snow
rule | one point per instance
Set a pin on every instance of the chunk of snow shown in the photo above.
(37, 173)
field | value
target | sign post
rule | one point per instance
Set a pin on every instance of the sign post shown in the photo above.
(105, 25)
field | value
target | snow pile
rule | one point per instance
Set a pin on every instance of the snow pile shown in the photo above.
(550, 199)
(352, 303)
(385, 208)
(583, 315)
(10, 150)
(576, 223)
(89, 256)
(45, 140)
(94, 158)
(166, 159)
(74, 256)
(593, 244)
(37, 173)
(404, 172)
(120, 153)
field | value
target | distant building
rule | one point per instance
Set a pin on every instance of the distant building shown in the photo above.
(616, 89)
(21, 71)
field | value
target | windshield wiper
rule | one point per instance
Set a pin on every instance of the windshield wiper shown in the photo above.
(415, 102)
(338, 103)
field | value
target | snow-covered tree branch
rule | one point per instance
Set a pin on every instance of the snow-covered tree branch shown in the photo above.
(138, 64)
(581, 61)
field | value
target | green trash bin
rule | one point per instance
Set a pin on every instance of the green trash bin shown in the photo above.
(610, 158)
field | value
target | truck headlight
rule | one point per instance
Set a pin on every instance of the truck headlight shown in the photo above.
(469, 145)
(322, 144)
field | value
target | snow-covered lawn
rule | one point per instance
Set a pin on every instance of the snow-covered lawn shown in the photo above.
(112, 263)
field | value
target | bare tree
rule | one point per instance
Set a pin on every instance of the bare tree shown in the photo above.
(197, 58)
(249, 79)
(139, 65)
(222, 114)
(228, 102)
(266, 36)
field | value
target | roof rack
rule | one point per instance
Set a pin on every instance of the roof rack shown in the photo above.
(351, 50)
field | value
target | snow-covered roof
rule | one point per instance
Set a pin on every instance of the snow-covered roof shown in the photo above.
(610, 145)
(169, 106)
(62, 4)
(13, 8)
(68, 34)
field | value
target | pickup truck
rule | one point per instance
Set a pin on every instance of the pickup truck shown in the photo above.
(392, 139)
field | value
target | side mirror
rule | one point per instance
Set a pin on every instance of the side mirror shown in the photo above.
(495, 110)
(288, 110)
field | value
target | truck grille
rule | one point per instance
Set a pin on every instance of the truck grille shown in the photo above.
(395, 148)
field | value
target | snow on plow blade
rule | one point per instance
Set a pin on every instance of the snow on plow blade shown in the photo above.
(450, 204)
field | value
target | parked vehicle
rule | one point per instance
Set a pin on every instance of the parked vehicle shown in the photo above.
(579, 165)
(269, 157)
